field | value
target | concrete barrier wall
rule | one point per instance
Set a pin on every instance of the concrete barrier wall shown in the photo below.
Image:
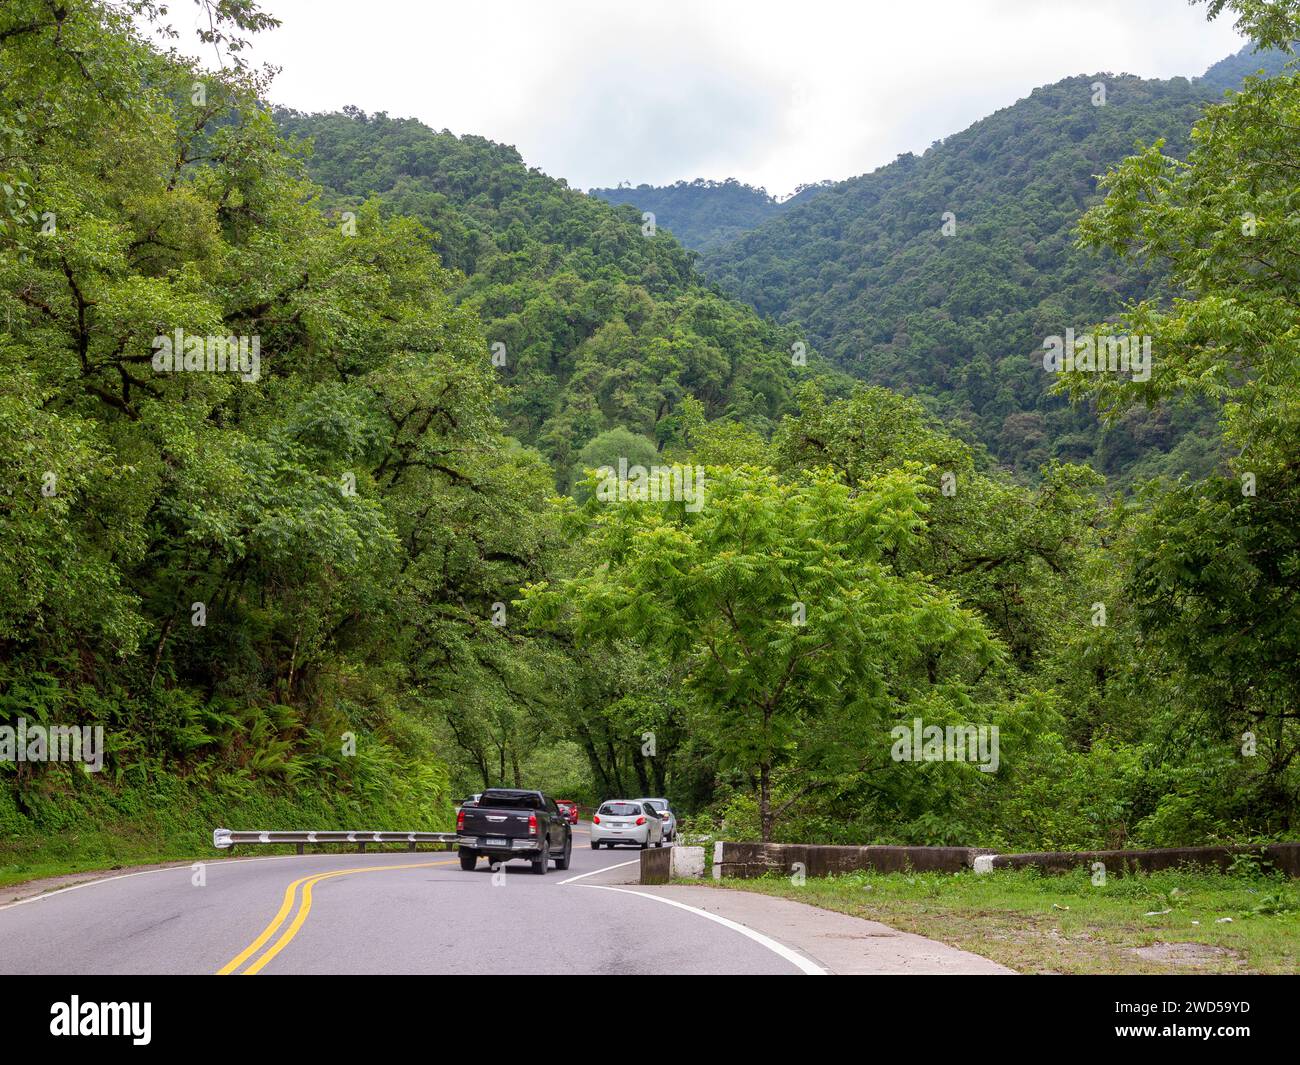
(748, 860)
(687, 861)
(656, 865)
(1282, 856)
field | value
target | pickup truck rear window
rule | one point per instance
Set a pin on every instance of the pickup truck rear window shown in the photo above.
(511, 802)
(621, 809)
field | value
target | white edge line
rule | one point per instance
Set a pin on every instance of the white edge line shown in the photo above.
(583, 876)
(796, 959)
(185, 867)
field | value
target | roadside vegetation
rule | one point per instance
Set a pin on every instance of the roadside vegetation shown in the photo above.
(1167, 922)
(83, 826)
(376, 571)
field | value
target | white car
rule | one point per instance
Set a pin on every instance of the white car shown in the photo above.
(626, 821)
(666, 815)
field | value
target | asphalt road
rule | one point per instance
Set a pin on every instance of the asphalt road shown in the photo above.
(384, 912)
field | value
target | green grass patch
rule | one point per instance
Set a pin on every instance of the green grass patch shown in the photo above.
(1166, 922)
(103, 825)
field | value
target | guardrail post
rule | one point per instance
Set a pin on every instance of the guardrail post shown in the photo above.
(361, 847)
(410, 846)
(299, 847)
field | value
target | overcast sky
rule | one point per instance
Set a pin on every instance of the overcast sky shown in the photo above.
(774, 94)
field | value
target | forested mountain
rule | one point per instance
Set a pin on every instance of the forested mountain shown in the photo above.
(958, 313)
(704, 214)
(329, 586)
(605, 325)
(1231, 72)
(701, 214)
(285, 592)
(266, 569)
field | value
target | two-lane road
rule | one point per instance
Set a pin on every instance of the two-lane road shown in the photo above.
(376, 913)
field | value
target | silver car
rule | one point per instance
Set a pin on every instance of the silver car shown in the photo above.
(626, 821)
(666, 815)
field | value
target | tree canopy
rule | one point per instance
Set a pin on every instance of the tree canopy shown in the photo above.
(297, 414)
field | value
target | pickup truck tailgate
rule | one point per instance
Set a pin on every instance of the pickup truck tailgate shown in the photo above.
(502, 824)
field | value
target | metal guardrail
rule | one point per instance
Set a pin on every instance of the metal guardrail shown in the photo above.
(225, 838)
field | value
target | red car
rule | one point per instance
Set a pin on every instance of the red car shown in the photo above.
(569, 807)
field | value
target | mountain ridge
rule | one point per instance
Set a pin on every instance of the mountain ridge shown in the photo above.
(603, 326)
(889, 292)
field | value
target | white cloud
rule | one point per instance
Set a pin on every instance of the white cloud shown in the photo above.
(774, 94)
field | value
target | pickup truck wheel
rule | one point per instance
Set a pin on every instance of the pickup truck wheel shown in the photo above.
(468, 860)
(594, 845)
(542, 861)
(562, 862)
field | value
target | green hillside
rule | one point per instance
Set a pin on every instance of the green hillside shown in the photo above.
(866, 269)
(604, 326)
(701, 214)
(335, 586)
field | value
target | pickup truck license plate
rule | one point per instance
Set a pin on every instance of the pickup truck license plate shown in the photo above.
(496, 842)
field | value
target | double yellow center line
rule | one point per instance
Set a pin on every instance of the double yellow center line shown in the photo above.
(303, 909)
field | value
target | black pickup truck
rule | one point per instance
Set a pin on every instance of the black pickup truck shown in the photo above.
(511, 823)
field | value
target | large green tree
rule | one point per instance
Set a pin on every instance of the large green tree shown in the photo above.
(1214, 577)
(801, 639)
(235, 571)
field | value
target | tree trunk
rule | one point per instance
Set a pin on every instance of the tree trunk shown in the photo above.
(597, 766)
(639, 764)
(293, 662)
(158, 652)
(765, 800)
(613, 765)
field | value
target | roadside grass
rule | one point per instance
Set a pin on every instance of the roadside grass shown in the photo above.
(118, 826)
(1039, 923)
(26, 871)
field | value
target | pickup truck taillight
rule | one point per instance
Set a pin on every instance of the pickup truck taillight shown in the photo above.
(532, 824)
(460, 820)
(640, 820)
(595, 820)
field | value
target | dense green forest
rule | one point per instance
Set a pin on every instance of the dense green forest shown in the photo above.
(264, 585)
(604, 325)
(941, 274)
(702, 214)
(345, 581)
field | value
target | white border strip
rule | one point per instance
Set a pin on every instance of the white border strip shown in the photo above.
(805, 966)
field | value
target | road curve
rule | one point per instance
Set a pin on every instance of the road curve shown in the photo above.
(375, 913)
